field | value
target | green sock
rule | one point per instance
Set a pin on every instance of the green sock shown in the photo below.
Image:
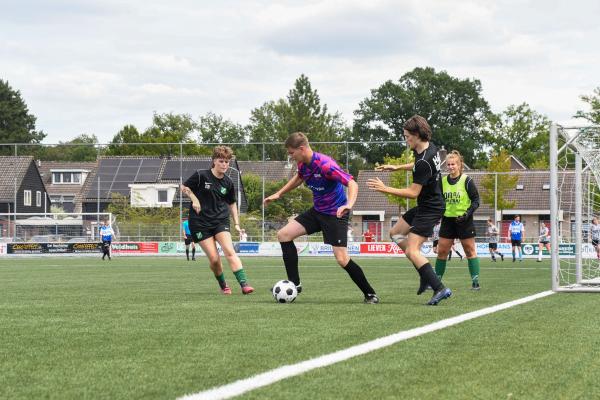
(440, 267)
(474, 269)
(221, 280)
(240, 275)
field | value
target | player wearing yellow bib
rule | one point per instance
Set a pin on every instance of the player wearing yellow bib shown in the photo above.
(462, 199)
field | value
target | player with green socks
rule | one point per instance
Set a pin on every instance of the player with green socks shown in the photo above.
(462, 199)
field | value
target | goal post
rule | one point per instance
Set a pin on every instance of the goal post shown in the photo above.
(574, 203)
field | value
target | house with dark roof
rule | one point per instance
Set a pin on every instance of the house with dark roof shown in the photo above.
(21, 190)
(65, 182)
(148, 181)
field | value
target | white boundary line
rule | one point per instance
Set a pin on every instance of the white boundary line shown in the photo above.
(266, 378)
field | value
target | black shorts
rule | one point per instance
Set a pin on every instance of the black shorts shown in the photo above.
(422, 220)
(200, 233)
(335, 230)
(515, 242)
(188, 239)
(435, 242)
(595, 243)
(493, 246)
(106, 244)
(544, 242)
(452, 229)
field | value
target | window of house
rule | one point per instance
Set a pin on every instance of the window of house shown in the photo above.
(27, 197)
(520, 187)
(163, 196)
(66, 177)
(38, 198)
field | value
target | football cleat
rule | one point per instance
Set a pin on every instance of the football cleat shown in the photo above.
(439, 296)
(371, 299)
(247, 289)
(226, 290)
(299, 288)
(475, 286)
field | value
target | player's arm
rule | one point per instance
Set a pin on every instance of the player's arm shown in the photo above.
(393, 167)
(411, 192)
(291, 185)
(352, 194)
(234, 215)
(195, 202)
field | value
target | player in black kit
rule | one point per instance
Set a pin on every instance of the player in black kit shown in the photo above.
(213, 199)
(418, 222)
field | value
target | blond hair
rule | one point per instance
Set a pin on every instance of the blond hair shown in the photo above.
(458, 157)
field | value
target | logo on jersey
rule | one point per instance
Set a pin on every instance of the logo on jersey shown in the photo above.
(437, 161)
(207, 185)
(223, 190)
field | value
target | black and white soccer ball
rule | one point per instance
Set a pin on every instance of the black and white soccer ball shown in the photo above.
(285, 291)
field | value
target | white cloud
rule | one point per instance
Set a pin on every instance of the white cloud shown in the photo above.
(95, 66)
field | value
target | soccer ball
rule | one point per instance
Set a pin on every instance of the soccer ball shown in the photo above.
(284, 291)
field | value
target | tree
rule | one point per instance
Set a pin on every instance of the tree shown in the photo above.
(593, 115)
(292, 203)
(69, 151)
(166, 128)
(454, 108)
(400, 180)
(17, 124)
(499, 163)
(521, 131)
(301, 111)
(253, 190)
(214, 128)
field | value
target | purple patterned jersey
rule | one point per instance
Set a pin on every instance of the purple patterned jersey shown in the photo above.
(325, 178)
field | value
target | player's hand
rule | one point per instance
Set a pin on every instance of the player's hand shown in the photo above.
(386, 167)
(376, 184)
(342, 210)
(196, 206)
(238, 228)
(271, 198)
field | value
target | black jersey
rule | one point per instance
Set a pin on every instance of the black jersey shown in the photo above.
(426, 172)
(214, 195)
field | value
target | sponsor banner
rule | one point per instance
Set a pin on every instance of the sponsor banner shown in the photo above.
(135, 247)
(53, 248)
(247, 247)
(380, 248)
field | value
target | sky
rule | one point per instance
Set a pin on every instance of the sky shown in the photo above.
(95, 66)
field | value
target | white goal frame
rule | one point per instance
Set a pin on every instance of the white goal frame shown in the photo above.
(579, 284)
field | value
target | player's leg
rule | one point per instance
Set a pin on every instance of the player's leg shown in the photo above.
(470, 249)
(187, 242)
(444, 248)
(540, 249)
(356, 273)
(492, 251)
(286, 236)
(399, 231)
(514, 249)
(193, 251)
(209, 247)
(224, 239)
(424, 268)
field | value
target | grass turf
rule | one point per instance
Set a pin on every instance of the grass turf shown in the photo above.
(159, 328)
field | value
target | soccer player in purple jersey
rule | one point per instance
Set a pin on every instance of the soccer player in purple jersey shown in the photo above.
(329, 214)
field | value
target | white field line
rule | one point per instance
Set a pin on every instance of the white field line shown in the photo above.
(267, 378)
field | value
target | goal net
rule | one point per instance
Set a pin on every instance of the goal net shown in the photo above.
(575, 208)
(53, 227)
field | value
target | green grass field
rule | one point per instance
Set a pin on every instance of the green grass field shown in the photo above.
(74, 328)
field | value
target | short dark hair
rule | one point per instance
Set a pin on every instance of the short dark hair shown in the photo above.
(418, 126)
(295, 140)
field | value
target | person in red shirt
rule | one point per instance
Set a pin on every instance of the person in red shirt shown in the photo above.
(368, 236)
